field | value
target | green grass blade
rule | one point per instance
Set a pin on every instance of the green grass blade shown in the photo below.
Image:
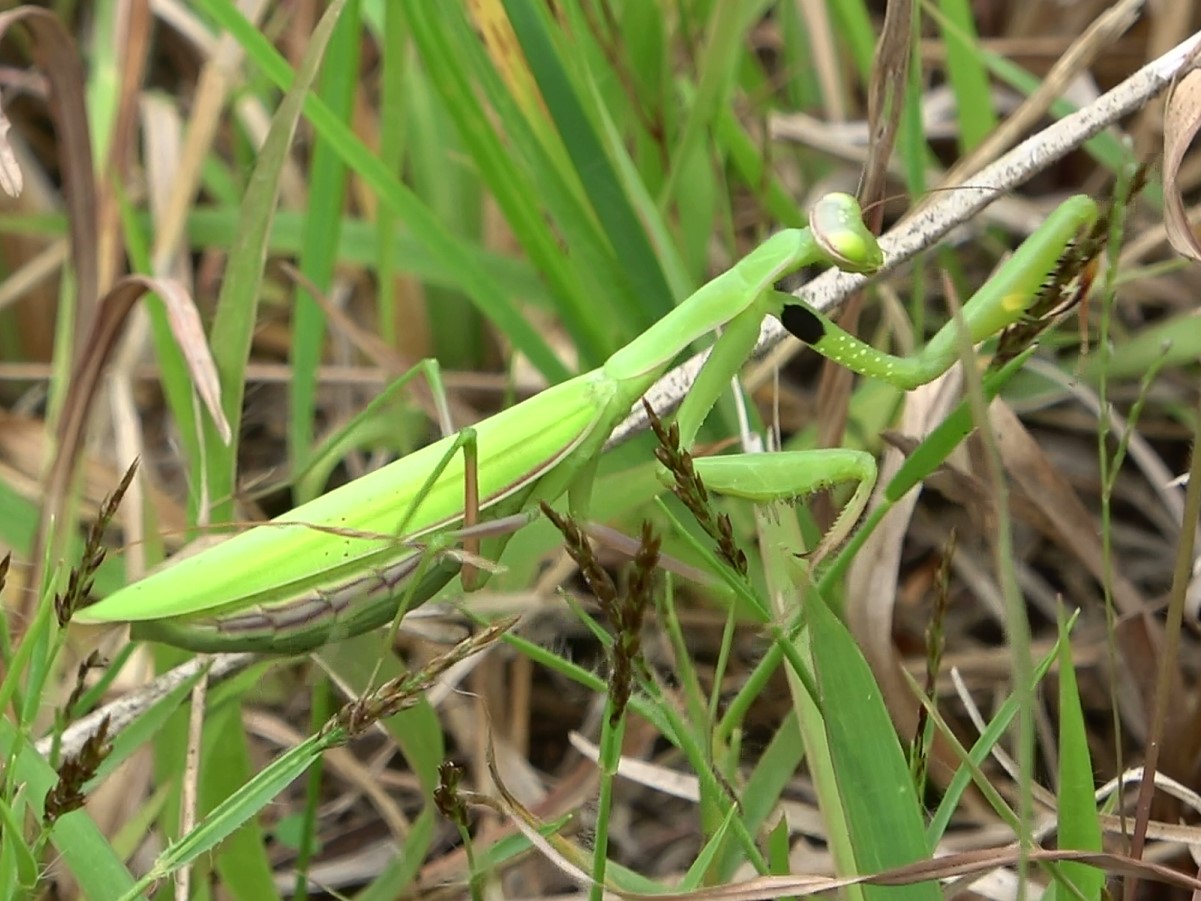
(716, 67)
(236, 810)
(438, 242)
(400, 872)
(234, 322)
(19, 868)
(779, 530)
(853, 24)
(18, 523)
(525, 167)
(981, 748)
(393, 77)
(327, 189)
(755, 172)
(649, 294)
(774, 770)
(210, 227)
(1079, 823)
(455, 193)
(968, 76)
(911, 140)
(882, 808)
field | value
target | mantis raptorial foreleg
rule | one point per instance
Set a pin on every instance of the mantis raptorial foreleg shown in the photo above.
(386, 538)
(996, 306)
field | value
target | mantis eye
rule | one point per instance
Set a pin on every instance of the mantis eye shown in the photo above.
(836, 222)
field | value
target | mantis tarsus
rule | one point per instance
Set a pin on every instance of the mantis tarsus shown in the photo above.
(343, 563)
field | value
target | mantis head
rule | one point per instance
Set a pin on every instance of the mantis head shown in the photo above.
(836, 222)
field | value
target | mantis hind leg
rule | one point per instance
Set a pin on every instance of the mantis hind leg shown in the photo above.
(467, 444)
(790, 475)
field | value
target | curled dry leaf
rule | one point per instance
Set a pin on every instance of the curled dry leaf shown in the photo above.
(114, 309)
(11, 179)
(56, 55)
(1182, 119)
(86, 378)
(189, 335)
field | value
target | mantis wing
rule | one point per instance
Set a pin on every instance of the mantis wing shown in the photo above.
(353, 531)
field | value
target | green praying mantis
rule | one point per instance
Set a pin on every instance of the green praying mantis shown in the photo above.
(349, 560)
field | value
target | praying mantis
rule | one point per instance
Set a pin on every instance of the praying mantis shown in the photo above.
(348, 561)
